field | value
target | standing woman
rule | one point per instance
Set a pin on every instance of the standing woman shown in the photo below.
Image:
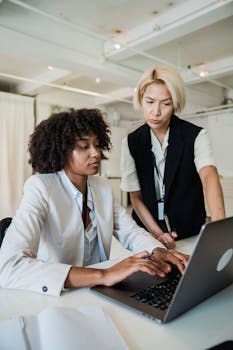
(167, 163)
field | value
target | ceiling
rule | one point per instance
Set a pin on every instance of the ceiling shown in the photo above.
(71, 45)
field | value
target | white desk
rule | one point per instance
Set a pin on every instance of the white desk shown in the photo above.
(207, 324)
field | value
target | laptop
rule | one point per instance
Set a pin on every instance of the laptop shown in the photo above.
(210, 269)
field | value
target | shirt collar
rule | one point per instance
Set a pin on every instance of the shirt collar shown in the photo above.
(75, 192)
(156, 144)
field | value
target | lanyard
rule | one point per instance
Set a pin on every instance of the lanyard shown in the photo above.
(160, 179)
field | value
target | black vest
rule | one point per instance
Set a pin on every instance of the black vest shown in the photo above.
(184, 200)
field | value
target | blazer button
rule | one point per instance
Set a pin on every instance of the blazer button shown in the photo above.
(45, 288)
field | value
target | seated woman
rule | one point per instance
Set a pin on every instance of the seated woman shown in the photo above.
(67, 216)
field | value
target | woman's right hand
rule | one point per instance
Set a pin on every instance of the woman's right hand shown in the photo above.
(132, 264)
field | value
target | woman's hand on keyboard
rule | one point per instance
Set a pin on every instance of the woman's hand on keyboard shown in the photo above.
(167, 258)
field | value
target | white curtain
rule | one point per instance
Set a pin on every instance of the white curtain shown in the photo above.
(16, 124)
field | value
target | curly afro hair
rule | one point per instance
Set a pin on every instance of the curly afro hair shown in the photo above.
(56, 136)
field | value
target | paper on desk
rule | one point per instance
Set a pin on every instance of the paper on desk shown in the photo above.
(12, 336)
(66, 328)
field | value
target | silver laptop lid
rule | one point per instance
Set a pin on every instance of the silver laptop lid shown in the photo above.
(209, 270)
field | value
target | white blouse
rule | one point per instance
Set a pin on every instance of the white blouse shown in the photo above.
(91, 247)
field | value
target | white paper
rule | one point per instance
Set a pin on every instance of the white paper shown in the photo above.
(12, 336)
(64, 328)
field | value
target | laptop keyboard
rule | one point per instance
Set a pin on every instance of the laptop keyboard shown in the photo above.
(160, 295)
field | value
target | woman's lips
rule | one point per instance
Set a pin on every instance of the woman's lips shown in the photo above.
(154, 121)
(94, 164)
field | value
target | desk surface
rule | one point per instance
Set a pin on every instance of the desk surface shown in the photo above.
(207, 324)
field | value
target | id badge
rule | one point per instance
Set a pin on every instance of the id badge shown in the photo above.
(161, 210)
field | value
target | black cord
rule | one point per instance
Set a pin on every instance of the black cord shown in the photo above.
(84, 211)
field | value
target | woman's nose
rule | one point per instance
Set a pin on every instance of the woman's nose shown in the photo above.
(94, 152)
(156, 109)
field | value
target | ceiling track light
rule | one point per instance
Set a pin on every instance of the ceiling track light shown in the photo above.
(63, 87)
(117, 46)
(203, 74)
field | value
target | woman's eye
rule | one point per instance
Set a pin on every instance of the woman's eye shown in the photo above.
(83, 147)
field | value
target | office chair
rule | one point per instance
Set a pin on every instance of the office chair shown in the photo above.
(4, 223)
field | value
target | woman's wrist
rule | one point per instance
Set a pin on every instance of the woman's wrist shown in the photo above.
(157, 234)
(84, 277)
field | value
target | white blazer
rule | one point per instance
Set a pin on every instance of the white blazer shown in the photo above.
(46, 237)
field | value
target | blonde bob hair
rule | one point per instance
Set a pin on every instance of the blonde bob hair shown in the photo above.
(162, 74)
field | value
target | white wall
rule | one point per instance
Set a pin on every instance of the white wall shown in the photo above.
(220, 130)
(111, 166)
